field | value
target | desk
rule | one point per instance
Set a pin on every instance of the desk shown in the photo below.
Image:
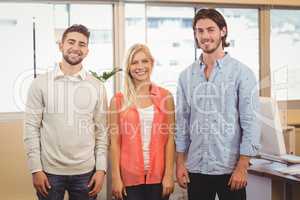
(260, 183)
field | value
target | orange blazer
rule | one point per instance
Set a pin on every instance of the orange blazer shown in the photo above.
(131, 153)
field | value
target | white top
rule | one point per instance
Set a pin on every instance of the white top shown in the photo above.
(146, 119)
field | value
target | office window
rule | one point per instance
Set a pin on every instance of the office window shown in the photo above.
(171, 42)
(101, 46)
(23, 25)
(17, 23)
(243, 36)
(285, 48)
(135, 24)
(99, 20)
(168, 33)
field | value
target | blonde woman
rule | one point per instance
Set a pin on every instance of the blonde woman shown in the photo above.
(141, 130)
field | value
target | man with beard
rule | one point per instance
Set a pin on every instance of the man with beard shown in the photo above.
(217, 127)
(65, 125)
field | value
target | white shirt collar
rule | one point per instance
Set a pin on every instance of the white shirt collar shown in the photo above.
(58, 73)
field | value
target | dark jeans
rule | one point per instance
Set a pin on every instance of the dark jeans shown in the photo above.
(145, 192)
(205, 187)
(76, 185)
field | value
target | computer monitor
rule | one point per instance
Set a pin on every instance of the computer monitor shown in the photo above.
(272, 138)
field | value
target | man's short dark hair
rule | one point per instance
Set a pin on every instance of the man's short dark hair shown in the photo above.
(214, 15)
(79, 28)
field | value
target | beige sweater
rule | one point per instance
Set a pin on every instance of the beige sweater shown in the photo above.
(65, 124)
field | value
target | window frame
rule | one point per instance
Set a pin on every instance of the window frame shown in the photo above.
(264, 8)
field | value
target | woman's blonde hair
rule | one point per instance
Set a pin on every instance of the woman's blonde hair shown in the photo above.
(129, 87)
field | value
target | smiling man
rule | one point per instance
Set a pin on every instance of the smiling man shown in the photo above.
(217, 127)
(65, 125)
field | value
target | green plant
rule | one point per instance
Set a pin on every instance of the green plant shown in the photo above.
(105, 75)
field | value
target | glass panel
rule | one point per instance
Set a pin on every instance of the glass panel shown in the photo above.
(170, 38)
(285, 48)
(46, 49)
(16, 35)
(135, 25)
(61, 22)
(243, 36)
(101, 51)
(100, 57)
(172, 52)
(61, 13)
(47, 22)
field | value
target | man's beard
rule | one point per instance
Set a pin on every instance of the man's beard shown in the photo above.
(71, 62)
(209, 51)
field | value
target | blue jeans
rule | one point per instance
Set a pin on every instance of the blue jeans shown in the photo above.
(76, 185)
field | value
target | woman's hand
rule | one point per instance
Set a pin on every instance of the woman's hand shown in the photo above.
(118, 189)
(168, 185)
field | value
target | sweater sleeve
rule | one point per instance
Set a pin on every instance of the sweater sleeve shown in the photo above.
(100, 119)
(33, 118)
